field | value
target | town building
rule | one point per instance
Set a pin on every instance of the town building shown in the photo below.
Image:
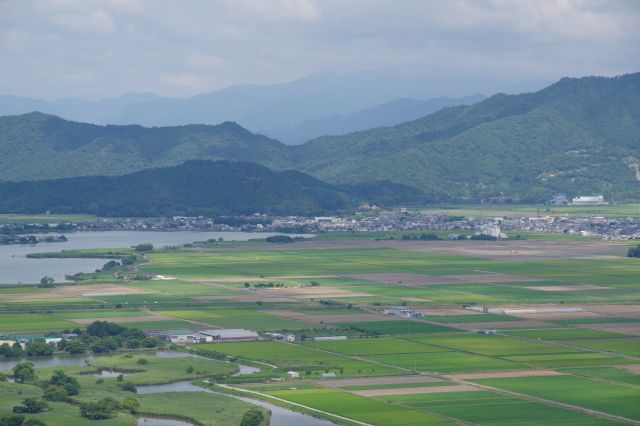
(589, 200)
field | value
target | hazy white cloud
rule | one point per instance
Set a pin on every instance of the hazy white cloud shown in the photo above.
(97, 21)
(186, 47)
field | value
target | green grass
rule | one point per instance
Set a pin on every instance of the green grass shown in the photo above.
(563, 333)
(625, 346)
(48, 218)
(300, 358)
(606, 373)
(606, 397)
(162, 370)
(239, 318)
(358, 407)
(397, 386)
(594, 320)
(377, 346)
(447, 319)
(395, 327)
(494, 409)
(491, 345)
(31, 322)
(576, 359)
(220, 410)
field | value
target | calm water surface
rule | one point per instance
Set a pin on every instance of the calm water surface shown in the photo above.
(279, 416)
(16, 268)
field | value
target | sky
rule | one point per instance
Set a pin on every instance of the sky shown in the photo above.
(55, 49)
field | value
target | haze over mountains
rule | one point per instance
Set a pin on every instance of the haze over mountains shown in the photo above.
(577, 136)
(292, 112)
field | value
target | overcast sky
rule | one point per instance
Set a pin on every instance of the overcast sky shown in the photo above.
(90, 48)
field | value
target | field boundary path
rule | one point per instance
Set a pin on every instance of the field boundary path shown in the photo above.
(264, 395)
(550, 402)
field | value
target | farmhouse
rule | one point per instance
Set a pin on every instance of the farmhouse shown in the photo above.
(293, 374)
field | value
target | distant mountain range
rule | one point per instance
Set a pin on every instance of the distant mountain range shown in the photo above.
(293, 112)
(386, 114)
(577, 136)
(197, 187)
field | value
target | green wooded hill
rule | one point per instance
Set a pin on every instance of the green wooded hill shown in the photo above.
(577, 136)
(42, 146)
(197, 187)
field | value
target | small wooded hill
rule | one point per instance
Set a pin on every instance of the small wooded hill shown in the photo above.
(197, 188)
(42, 146)
(578, 136)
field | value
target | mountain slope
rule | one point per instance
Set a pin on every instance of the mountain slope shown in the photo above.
(386, 114)
(40, 146)
(576, 136)
(195, 188)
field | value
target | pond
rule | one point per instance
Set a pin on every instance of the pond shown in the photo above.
(279, 416)
(16, 268)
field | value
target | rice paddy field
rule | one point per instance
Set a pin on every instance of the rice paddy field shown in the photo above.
(528, 332)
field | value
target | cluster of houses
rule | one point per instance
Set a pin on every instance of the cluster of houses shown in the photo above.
(403, 312)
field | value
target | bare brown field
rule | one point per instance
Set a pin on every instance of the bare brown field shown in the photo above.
(310, 292)
(413, 279)
(418, 390)
(631, 329)
(631, 368)
(98, 290)
(492, 278)
(442, 311)
(394, 380)
(35, 297)
(559, 315)
(247, 298)
(503, 374)
(86, 321)
(561, 288)
(627, 310)
(257, 279)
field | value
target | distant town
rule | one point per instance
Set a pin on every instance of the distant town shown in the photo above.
(366, 219)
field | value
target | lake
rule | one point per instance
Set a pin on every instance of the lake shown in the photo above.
(15, 267)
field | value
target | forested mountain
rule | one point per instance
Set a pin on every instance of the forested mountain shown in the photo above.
(197, 187)
(40, 146)
(578, 136)
(386, 114)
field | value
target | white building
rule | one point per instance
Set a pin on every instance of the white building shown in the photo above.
(589, 200)
(328, 376)
(293, 375)
(323, 338)
(230, 335)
